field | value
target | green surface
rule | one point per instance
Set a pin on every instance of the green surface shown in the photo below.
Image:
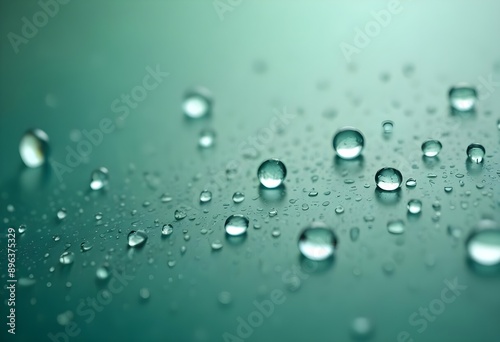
(264, 58)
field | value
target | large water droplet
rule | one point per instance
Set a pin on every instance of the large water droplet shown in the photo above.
(317, 241)
(238, 197)
(476, 153)
(67, 258)
(414, 206)
(99, 178)
(34, 147)
(388, 179)
(236, 225)
(205, 196)
(348, 143)
(271, 173)
(431, 148)
(197, 103)
(463, 97)
(396, 226)
(483, 244)
(179, 214)
(137, 238)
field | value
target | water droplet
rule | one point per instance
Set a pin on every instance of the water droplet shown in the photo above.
(348, 143)
(207, 138)
(225, 298)
(414, 206)
(99, 178)
(448, 188)
(56, 238)
(165, 198)
(411, 183)
(21, 229)
(396, 226)
(205, 196)
(305, 206)
(179, 214)
(67, 258)
(216, 245)
(454, 231)
(34, 147)
(476, 153)
(98, 216)
(197, 102)
(276, 233)
(339, 209)
(361, 328)
(238, 197)
(498, 124)
(167, 229)
(61, 214)
(463, 97)
(102, 273)
(317, 241)
(271, 173)
(85, 246)
(354, 233)
(388, 126)
(236, 225)
(273, 212)
(483, 244)
(144, 293)
(137, 238)
(388, 179)
(431, 148)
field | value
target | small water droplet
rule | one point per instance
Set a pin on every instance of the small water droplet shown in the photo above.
(216, 245)
(207, 138)
(454, 231)
(225, 298)
(483, 244)
(339, 209)
(179, 214)
(414, 206)
(99, 178)
(387, 126)
(102, 273)
(396, 226)
(273, 212)
(431, 148)
(238, 197)
(21, 229)
(167, 229)
(236, 225)
(463, 97)
(34, 147)
(361, 328)
(317, 241)
(305, 206)
(205, 196)
(276, 232)
(411, 183)
(354, 233)
(271, 173)
(348, 143)
(144, 293)
(448, 188)
(85, 246)
(67, 258)
(98, 216)
(197, 103)
(476, 153)
(388, 179)
(61, 214)
(137, 238)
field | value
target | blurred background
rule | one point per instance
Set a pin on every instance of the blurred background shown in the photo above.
(115, 79)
